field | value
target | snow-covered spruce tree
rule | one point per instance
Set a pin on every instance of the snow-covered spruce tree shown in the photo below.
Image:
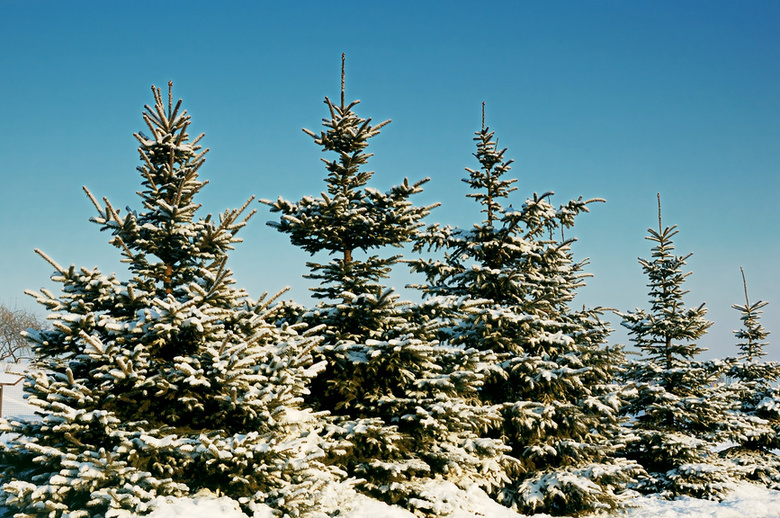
(170, 382)
(679, 409)
(402, 403)
(753, 386)
(753, 334)
(553, 378)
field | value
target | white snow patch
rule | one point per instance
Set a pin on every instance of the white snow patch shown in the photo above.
(362, 506)
(206, 505)
(747, 500)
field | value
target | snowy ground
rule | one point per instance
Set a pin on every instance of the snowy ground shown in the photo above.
(746, 501)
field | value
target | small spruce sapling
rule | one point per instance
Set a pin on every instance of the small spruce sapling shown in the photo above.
(757, 429)
(679, 409)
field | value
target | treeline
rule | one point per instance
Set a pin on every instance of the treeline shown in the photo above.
(175, 380)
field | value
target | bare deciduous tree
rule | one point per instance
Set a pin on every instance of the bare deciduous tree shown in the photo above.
(14, 347)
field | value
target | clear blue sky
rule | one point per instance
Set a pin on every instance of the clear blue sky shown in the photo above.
(609, 99)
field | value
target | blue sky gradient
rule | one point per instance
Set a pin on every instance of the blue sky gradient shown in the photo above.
(610, 99)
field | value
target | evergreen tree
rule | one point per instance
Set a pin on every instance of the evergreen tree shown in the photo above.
(168, 383)
(757, 429)
(753, 334)
(402, 403)
(513, 282)
(679, 408)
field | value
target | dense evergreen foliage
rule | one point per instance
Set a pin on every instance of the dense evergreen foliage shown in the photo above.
(402, 403)
(552, 379)
(173, 381)
(753, 387)
(679, 408)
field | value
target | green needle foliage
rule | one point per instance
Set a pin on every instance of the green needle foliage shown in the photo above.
(756, 433)
(505, 286)
(402, 404)
(172, 381)
(679, 407)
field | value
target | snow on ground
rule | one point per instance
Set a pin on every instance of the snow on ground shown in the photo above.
(201, 507)
(451, 502)
(447, 500)
(746, 501)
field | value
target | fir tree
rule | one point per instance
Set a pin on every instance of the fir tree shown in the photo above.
(513, 282)
(351, 218)
(753, 334)
(757, 429)
(172, 381)
(679, 408)
(402, 403)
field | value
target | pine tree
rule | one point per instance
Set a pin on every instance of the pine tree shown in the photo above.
(757, 429)
(679, 408)
(753, 334)
(348, 219)
(513, 282)
(402, 403)
(168, 383)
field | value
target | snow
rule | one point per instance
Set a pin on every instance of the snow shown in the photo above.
(12, 381)
(746, 500)
(206, 506)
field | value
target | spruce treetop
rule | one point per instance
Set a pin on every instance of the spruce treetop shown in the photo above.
(164, 244)
(350, 215)
(488, 178)
(752, 334)
(667, 332)
(500, 258)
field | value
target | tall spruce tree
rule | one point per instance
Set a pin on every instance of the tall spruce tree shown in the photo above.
(172, 381)
(757, 429)
(679, 409)
(402, 403)
(512, 282)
